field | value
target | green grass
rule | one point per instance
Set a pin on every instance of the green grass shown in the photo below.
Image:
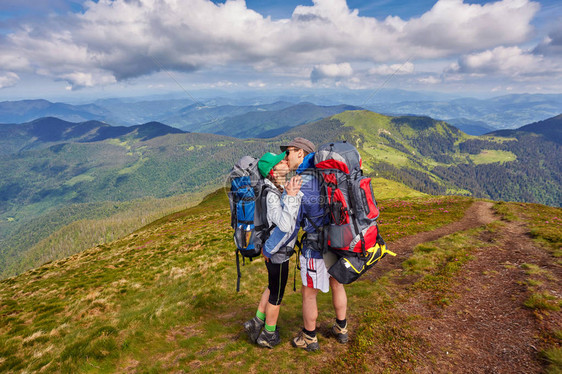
(489, 156)
(131, 169)
(163, 299)
(385, 153)
(387, 189)
(553, 357)
(532, 269)
(543, 301)
(505, 210)
(439, 262)
(544, 223)
(427, 214)
(78, 179)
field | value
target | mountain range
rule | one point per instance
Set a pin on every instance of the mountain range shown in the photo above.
(44, 132)
(220, 114)
(502, 112)
(549, 129)
(52, 176)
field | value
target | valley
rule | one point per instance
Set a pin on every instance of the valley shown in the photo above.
(74, 185)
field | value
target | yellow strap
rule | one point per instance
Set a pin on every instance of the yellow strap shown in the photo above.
(353, 267)
(384, 250)
(372, 260)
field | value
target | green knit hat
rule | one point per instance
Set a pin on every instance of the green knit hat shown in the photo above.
(268, 162)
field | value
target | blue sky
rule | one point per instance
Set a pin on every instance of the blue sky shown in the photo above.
(61, 49)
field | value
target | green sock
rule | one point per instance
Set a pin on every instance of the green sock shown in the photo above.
(260, 315)
(270, 328)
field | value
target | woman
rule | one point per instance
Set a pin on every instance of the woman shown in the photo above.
(283, 202)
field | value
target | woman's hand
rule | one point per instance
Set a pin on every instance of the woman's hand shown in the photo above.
(264, 256)
(294, 185)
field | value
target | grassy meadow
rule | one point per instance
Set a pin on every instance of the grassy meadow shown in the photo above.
(163, 299)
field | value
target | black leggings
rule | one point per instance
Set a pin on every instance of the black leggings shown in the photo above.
(277, 275)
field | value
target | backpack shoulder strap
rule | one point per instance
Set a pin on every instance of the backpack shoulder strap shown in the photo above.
(264, 190)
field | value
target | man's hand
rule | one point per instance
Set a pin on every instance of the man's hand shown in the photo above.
(294, 185)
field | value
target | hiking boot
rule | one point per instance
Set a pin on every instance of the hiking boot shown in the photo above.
(268, 339)
(253, 328)
(305, 342)
(340, 333)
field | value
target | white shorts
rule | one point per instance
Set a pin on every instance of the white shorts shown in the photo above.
(314, 274)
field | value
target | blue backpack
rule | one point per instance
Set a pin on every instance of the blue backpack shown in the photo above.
(248, 210)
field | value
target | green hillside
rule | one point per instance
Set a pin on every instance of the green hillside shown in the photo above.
(48, 189)
(66, 197)
(55, 198)
(435, 158)
(160, 299)
(163, 299)
(73, 228)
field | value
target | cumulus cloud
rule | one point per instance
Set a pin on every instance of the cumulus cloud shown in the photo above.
(92, 79)
(398, 69)
(454, 26)
(11, 60)
(507, 61)
(331, 71)
(8, 79)
(120, 39)
(430, 79)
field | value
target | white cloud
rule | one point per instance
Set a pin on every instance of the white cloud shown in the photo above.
(331, 71)
(11, 60)
(429, 80)
(223, 83)
(507, 61)
(120, 39)
(8, 79)
(81, 79)
(398, 69)
(257, 84)
(452, 26)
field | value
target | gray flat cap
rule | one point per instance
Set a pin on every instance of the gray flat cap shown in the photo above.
(302, 143)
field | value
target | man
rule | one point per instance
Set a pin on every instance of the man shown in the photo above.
(314, 271)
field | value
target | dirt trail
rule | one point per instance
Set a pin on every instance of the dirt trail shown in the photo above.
(478, 214)
(486, 329)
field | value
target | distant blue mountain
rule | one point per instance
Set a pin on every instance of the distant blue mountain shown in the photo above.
(204, 118)
(267, 124)
(550, 129)
(28, 110)
(44, 132)
(474, 116)
(502, 112)
(470, 127)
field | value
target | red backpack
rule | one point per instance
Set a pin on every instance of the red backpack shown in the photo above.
(352, 233)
